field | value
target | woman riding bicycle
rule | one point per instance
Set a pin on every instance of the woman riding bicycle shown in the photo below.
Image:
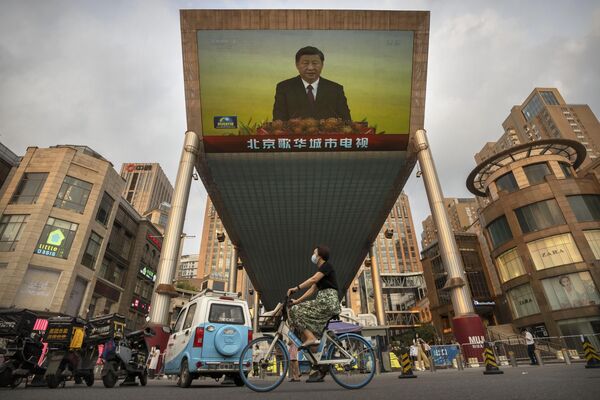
(310, 317)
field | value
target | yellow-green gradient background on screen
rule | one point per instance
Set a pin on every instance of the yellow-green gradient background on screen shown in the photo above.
(239, 70)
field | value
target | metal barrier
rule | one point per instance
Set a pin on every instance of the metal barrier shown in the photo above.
(512, 350)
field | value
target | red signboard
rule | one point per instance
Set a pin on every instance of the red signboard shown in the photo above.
(154, 240)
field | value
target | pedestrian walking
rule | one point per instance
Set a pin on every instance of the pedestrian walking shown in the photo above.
(530, 346)
(294, 365)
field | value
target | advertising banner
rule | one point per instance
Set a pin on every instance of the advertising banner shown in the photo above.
(305, 90)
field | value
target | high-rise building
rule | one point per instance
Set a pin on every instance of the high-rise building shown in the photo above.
(146, 186)
(396, 253)
(485, 303)
(462, 213)
(216, 256)
(542, 225)
(546, 115)
(57, 213)
(188, 267)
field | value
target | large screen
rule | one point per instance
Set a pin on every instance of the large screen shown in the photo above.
(305, 90)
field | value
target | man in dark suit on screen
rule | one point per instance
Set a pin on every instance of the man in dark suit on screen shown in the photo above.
(309, 95)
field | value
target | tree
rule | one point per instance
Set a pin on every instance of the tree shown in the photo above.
(185, 285)
(425, 332)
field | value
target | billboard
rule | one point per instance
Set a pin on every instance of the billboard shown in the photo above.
(262, 84)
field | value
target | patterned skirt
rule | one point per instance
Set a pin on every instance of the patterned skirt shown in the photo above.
(314, 314)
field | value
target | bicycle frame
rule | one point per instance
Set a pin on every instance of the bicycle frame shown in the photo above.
(315, 358)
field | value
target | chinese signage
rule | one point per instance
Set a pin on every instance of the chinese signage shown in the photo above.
(304, 143)
(138, 167)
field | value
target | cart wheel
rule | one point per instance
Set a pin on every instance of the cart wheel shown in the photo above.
(109, 379)
(5, 375)
(144, 377)
(89, 379)
(52, 381)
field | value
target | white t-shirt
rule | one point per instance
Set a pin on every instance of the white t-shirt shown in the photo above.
(529, 338)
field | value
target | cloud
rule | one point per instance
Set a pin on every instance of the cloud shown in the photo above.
(109, 75)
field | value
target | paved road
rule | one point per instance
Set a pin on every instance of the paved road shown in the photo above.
(524, 383)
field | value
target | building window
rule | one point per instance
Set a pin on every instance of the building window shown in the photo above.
(549, 98)
(510, 265)
(11, 227)
(566, 169)
(522, 301)
(593, 238)
(29, 188)
(540, 215)
(507, 182)
(571, 290)
(91, 251)
(585, 207)
(536, 172)
(73, 194)
(57, 238)
(578, 326)
(499, 231)
(554, 251)
(104, 209)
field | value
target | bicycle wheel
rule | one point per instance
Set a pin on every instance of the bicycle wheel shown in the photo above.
(263, 370)
(359, 372)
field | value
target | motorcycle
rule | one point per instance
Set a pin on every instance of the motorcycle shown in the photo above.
(126, 357)
(69, 354)
(23, 347)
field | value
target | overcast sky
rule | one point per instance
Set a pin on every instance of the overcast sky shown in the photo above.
(108, 74)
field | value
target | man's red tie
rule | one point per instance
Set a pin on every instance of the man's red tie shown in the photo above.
(310, 95)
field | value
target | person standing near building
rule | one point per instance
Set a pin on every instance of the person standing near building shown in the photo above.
(294, 366)
(530, 346)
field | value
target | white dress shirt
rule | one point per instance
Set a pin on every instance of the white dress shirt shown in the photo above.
(315, 86)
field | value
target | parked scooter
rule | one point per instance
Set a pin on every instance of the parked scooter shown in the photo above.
(125, 357)
(23, 347)
(69, 354)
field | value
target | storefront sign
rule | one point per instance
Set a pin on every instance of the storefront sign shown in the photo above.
(146, 272)
(154, 240)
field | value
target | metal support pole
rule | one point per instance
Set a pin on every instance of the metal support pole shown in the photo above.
(377, 293)
(256, 311)
(233, 272)
(459, 291)
(161, 298)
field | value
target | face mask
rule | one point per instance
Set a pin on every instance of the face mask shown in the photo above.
(314, 259)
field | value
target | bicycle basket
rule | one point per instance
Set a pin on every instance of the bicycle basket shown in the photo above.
(269, 321)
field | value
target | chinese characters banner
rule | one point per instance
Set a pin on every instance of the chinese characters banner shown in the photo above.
(298, 143)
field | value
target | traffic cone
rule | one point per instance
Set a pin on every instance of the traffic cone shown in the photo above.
(491, 366)
(407, 371)
(591, 355)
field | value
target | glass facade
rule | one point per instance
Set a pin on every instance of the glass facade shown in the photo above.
(586, 207)
(11, 227)
(507, 182)
(533, 107)
(91, 250)
(593, 239)
(549, 98)
(499, 231)
(571, 290)
(536, 172)
(73, 194)
(554, 251)
(510, 265)
(540, 215)
(566, 169)
(580, 326)
(104, 209)
(29, 188)
(522, 301)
